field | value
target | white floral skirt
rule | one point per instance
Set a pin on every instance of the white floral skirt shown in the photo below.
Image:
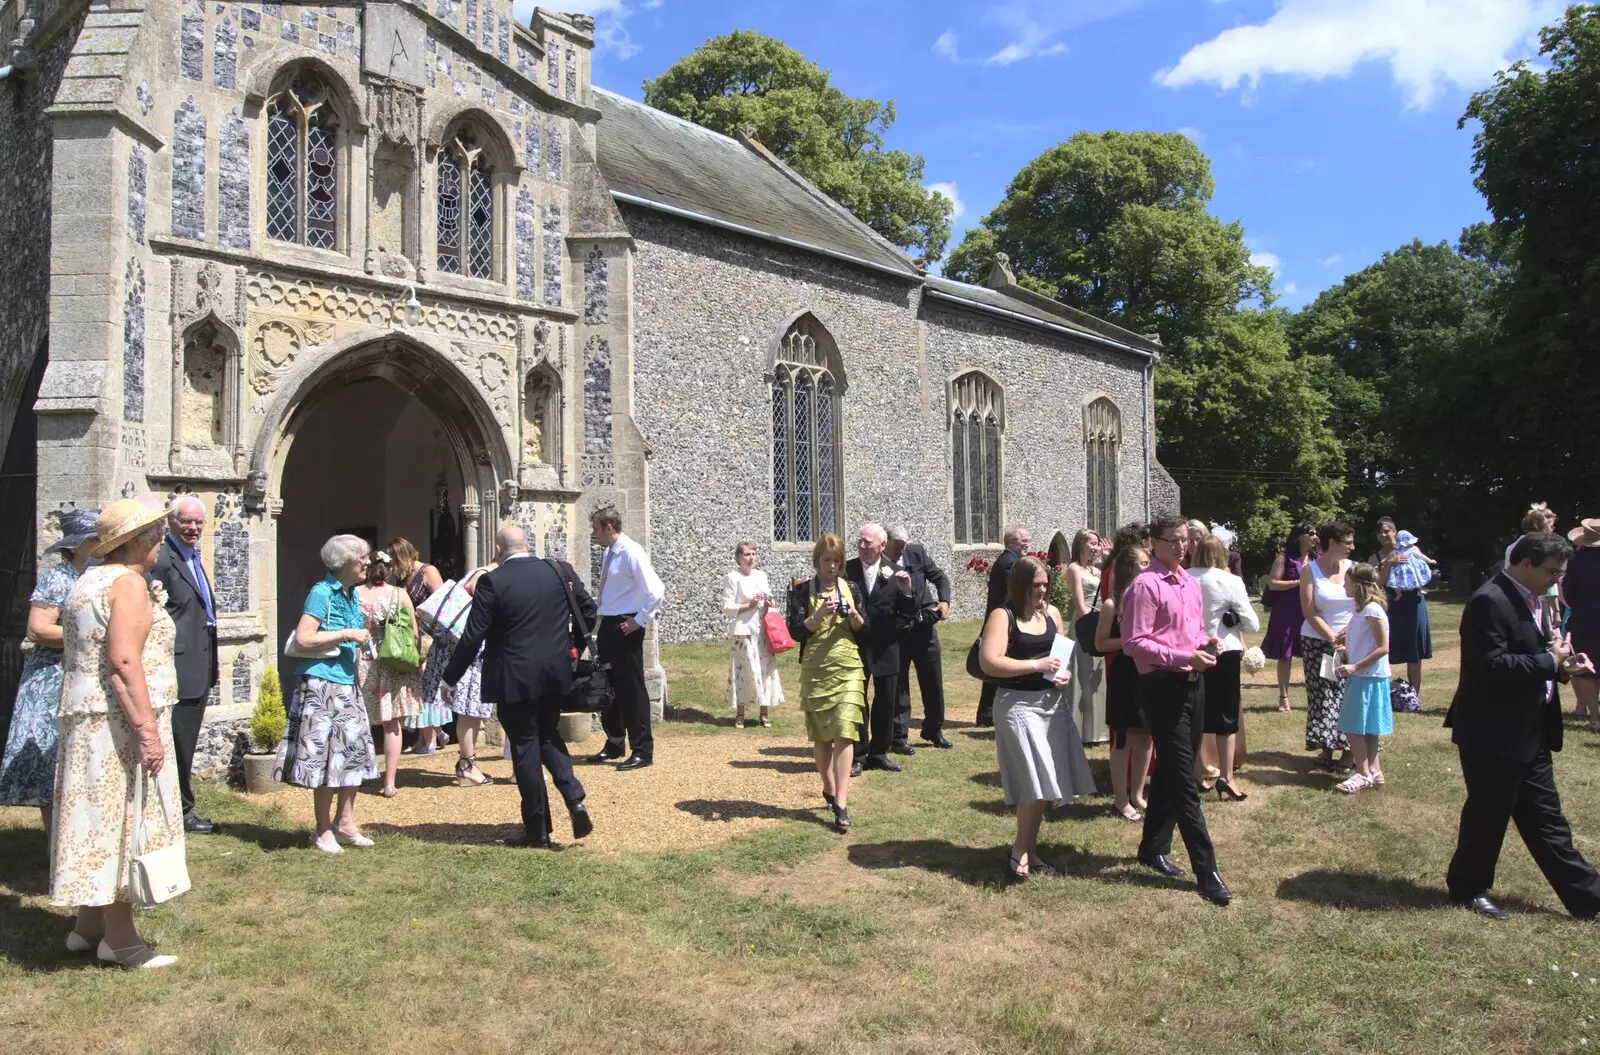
(752, 674)
(328, 742)
(95, 835)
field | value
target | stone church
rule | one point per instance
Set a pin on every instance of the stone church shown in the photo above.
(398, 268)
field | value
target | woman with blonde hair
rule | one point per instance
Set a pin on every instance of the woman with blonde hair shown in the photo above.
(1225, 607)
(827, 619)
(390, 696)
(118, 687)
(1365, 714)
(752, 668)
(420, 580)
(1036, 741)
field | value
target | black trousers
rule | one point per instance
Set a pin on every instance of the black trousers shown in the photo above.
(187, 717)
(1499, 791)
(919, 648)
(520, 721)
(986, 704)
(553, 752)
(878, 732)
(627, 720)
(1173, 709)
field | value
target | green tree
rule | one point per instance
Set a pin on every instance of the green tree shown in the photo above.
(1244, 431)
(1537, 165)
(750, 83)
(1399, 349)
(1115, 223)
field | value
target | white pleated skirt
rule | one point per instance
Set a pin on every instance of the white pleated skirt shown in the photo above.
(1041, 755)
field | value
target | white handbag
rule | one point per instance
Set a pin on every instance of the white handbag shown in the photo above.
(157, 876)
(446, 608)
(293, 649)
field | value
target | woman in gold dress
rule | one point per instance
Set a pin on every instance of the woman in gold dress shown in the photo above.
(825, 618)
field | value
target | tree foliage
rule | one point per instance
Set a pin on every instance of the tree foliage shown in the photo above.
(1115, 223)
(749, 83)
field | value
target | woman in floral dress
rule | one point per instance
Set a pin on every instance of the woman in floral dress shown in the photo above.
(420, 581)
(28, 772)
(390, 696)
(465, 701)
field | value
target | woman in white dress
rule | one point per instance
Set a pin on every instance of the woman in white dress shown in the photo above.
(752, 669)
(1226, 608)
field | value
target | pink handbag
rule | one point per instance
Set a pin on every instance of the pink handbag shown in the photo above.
(777, 631)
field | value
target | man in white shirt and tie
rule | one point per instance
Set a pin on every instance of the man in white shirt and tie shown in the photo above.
(628, 598)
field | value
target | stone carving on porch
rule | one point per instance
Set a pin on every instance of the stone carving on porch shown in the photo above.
(541, 428)
(395, 111)
(305, 297)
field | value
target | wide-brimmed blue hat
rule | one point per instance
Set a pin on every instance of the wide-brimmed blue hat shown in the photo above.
(77, 527)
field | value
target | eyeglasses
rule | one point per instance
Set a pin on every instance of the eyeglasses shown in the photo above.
(1182, 540)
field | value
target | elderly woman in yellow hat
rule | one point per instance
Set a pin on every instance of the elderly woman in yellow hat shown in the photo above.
(117, 691)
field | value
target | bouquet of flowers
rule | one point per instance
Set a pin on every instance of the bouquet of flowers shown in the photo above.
(1253, 660)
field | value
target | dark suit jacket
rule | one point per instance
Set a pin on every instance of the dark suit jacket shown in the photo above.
(923, 570)
(1499, 707)
(520, 617)
(194, 651)
(883, 602)
(1000, 579)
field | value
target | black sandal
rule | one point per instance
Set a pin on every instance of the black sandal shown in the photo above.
(827, 796)
(841, 818)
(467, 765)
(1014, 870)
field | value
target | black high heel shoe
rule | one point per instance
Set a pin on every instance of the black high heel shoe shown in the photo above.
(1226, 791)
(841, 818)
(827, 796)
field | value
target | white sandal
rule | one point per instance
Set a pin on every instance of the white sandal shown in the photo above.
(1355, 783)
(139, 958)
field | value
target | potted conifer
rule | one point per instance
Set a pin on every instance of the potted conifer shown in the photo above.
(267, 724)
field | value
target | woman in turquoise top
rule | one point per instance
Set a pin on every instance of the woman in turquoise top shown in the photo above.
(328, 744)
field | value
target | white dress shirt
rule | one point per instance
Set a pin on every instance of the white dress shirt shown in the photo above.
(740, 590)
(1220, 591)
(628, 585)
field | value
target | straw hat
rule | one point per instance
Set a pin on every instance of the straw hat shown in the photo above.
(77, 527)
(1586, 535)
(123, 519)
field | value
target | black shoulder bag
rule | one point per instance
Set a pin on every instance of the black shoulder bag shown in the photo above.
(592, 691)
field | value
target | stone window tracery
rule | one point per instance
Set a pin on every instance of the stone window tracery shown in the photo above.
(466, 208)
(805, 438)
(1102, 442)
(977, 427)
(303, 165)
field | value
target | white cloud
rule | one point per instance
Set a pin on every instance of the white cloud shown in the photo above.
(1427, 44)
(946, 45)
(1290, 289)
(610, 21)
(1195, 135)
(1031, 37)
(1332, 261)
(1030, 29)
(1264, 259)
(949, 190)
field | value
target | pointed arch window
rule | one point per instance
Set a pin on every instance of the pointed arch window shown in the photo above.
(977, 430)
(806, 393)
(466, 208)
(1102, 442)
(303, 165)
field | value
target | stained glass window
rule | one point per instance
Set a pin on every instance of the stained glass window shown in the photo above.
(1102, 441)
(805, 437)
(303, 166)
(977, 480)
(466, 208)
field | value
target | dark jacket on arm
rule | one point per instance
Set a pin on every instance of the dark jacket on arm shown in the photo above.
(520, 617)
(194, 649)
(1500, 707)
(923, 570)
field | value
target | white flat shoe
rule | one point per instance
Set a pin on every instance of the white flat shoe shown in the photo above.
(360, 841)
(331, 851)
(78, 943)
(138, 958)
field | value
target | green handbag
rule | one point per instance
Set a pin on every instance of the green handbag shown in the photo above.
(398, 649)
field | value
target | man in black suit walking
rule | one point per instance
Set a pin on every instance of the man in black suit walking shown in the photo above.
(1505, 720)
(886, 595)
(919, 640)
(521, 618)
(1016, 540)
(194, 615)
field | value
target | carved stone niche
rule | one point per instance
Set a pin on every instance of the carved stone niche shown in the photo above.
(207, 369)
(541, 428)
(394, 233)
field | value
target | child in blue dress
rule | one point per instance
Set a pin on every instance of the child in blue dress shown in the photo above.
(1414, 571)
(1365, 714)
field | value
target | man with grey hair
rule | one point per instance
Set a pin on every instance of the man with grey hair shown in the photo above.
(885, 597)
(1016, 540)
(919, 641)
(189, 602)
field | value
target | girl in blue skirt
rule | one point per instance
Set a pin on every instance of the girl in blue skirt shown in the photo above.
(1365, 714)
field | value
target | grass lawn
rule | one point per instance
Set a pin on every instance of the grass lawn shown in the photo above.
(715, 912)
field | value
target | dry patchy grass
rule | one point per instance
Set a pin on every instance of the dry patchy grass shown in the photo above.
(713, 912)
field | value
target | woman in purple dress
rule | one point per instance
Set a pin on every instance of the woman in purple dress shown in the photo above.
(1282, 642)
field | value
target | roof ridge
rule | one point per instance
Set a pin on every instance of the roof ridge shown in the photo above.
(637, 104)
(761, 150)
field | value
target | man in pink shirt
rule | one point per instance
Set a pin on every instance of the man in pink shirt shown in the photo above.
(1164, 634)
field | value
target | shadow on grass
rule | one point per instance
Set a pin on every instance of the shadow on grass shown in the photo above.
(26, 852)
(34, 938)
(405, 777)
(772, 764)
(988, 780)
(745, 809)
(1371, 892)
(1276, 768)
(267, 838)
(979, 734)
(986, 866)
(786, 752)
(695, 716)
(1079, 810)
(453, 833)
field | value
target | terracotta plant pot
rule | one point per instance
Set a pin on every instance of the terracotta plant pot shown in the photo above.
(258, 774)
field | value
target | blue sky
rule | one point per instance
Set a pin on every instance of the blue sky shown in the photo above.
(1331, 124)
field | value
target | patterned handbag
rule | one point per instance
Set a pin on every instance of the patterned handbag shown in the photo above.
(1403, 695)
